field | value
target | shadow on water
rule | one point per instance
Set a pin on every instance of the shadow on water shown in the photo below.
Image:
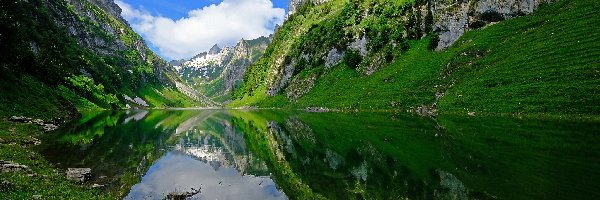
(298, 155)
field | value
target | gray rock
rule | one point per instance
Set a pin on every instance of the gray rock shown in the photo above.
(50, 127)
(215, 49)
(334, 57)
(7, 166)
(182, 195)
(453, 18)
(360, 45)
(427, 110)
(79, 174)
(281, 77)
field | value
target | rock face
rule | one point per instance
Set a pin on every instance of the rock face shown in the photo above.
(453, 18)
(111, 26)
(79, 174)
(221, 70)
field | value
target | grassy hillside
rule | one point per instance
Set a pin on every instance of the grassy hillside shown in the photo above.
(544, 63)
(61, 57)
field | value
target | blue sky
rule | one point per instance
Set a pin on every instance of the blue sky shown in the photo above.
(176, 9)
(177, 29)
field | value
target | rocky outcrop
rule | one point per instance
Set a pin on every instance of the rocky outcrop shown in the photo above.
(453, 18)
(333, 58)
(214, 50)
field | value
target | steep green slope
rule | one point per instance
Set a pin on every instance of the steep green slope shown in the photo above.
(60, 57)
(544, 63)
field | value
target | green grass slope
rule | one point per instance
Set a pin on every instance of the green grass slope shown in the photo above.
(546, 63)
(62, 57)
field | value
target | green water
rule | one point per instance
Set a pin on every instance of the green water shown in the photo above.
(298, 155)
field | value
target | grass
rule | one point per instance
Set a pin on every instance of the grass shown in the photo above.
(16, 142)
(39, 100)
(543, 64)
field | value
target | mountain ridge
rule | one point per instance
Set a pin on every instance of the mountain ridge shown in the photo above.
(218, 71)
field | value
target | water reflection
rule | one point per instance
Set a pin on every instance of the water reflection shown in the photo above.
(179, 172)
(279, 155)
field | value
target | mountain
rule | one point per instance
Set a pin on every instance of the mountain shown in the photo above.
(218, 72)
(428, 57)
(64, 56)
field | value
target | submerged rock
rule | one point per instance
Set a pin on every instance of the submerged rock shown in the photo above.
(182, 195)
(79, 174)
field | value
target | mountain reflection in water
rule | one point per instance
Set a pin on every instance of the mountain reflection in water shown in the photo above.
(148, 154)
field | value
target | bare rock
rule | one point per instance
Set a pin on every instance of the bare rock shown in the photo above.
(360, 45)
(334, 57)
(453, 18)
(7, 166)
(182, 195)
(426, 110)
(50, 127)
(79, 174)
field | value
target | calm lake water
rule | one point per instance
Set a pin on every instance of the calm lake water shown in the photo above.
(147, 154)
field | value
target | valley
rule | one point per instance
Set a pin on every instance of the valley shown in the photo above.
(337, 99)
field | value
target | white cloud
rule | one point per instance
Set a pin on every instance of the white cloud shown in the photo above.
(224, 24)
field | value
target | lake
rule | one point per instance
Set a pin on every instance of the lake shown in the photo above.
(272, 154)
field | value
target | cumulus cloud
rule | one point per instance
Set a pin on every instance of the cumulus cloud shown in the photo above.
(224, 23)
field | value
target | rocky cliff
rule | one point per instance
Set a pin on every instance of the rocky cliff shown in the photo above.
(85, 52)
(320, 38)
(453, 18)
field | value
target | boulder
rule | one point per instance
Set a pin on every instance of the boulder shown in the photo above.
(7, 166)
(79, 174)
